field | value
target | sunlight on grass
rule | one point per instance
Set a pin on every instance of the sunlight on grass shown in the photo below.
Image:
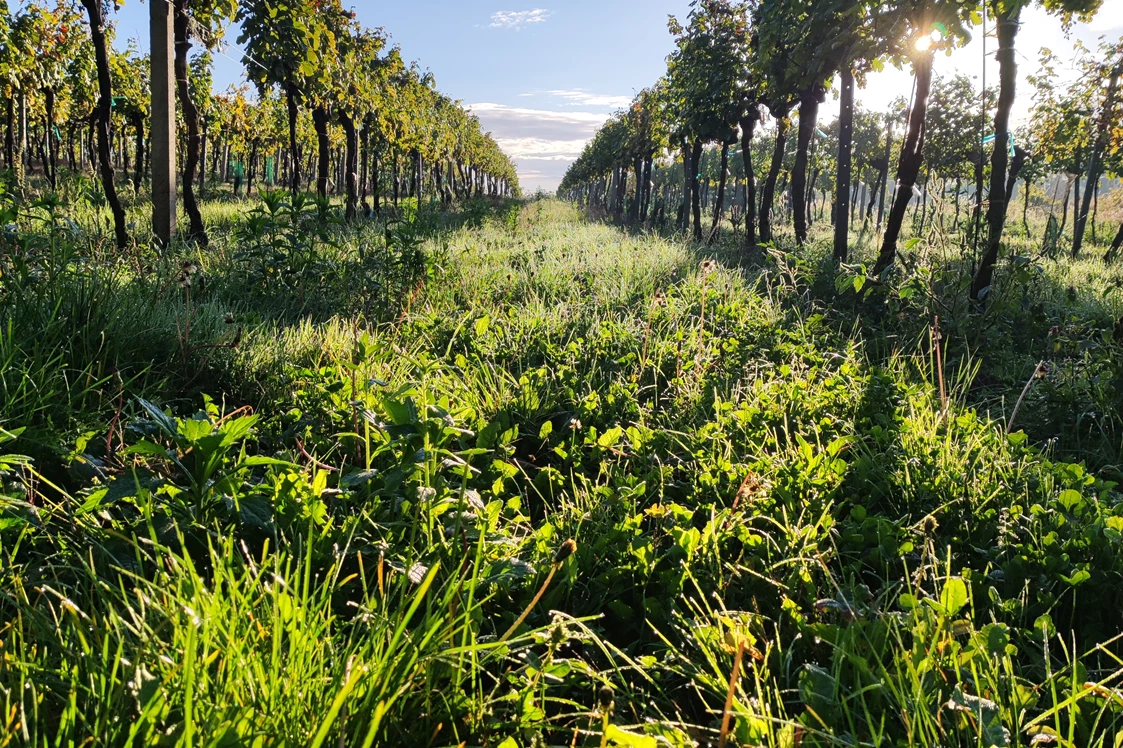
(295, 489)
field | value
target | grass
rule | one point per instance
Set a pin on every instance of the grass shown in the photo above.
(320, 516)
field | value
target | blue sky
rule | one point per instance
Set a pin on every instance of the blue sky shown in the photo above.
(543, 75)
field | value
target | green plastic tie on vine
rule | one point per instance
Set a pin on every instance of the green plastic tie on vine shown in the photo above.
(990, 139)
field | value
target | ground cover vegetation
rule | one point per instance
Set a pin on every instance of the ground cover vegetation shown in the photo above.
(411, 460)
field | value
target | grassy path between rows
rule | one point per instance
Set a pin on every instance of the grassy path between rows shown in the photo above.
(331, 546)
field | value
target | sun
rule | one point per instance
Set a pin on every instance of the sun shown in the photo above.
(924, 43)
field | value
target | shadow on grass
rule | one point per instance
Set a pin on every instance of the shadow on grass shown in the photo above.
(1061, 313)
(85, 330)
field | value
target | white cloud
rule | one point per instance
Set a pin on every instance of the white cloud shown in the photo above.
(519, 122)
(540, 149)
(543, 143)
(516, 19)
(577, 97)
